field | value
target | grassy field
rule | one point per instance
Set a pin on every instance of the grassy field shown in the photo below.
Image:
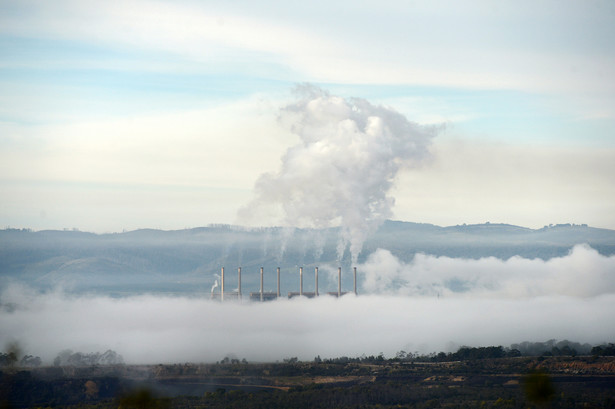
(522, 382)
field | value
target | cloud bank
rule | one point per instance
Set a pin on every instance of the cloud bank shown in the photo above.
(343, 168)
(582, 273)
(482, 302)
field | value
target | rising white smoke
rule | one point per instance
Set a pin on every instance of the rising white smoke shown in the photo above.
(342, 170)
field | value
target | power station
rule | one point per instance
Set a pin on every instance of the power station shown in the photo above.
(262, 295)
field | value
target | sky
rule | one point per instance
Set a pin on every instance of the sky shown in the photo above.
(143, 114)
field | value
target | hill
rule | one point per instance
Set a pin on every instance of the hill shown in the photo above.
(188, 260)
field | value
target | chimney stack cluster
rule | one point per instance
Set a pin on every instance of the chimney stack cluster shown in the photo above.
(265, 296)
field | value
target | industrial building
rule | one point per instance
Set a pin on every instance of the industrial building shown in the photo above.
(262, 295)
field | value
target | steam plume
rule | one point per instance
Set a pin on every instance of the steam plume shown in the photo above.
(341, 171)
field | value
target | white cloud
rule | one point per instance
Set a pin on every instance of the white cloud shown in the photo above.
(527, 184)
(202, 34)
(503, 302)
(137, 164)
(167, 171)
(207, 147)
(582, 273)
(149, 329)
(531, 48)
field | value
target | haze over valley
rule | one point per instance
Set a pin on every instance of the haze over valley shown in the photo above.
(148, 294)
(189, 261)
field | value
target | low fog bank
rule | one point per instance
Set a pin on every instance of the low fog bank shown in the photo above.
(582, 273)
(187, 261)
(428, 305)
(148, 329)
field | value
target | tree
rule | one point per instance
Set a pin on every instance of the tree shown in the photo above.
(538, 387)
(142, 399)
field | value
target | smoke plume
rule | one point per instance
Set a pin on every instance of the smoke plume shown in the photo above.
(341, 171)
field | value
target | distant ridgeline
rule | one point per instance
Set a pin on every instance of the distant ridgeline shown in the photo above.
(188, 260)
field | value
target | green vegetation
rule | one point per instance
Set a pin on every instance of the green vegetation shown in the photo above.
(142, 399)
(488, 377)
(604, 350)
(538, 387)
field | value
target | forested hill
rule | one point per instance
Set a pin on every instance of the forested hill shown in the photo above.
(157, 260)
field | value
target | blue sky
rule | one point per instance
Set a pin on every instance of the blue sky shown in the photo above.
(122, 115)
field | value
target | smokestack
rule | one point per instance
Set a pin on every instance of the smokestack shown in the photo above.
(316, 282)
(355, 280)
(222, 285)
(339, 282)
(213, 287)
(300, 281)
(239, 283)
(261, 284)
(278, 282)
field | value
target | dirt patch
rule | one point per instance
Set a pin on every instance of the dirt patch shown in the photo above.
(338, 379)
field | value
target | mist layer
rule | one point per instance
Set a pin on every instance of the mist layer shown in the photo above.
(502, 302)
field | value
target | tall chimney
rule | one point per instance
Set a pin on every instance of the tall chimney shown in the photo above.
(355, 280)
(339, 281)
(300, 281)
(261, 284)
(316, 282)
(278, 282)
(222, 285)
(239, 283)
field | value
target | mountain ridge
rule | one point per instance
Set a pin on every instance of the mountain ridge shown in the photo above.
(189, 259)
